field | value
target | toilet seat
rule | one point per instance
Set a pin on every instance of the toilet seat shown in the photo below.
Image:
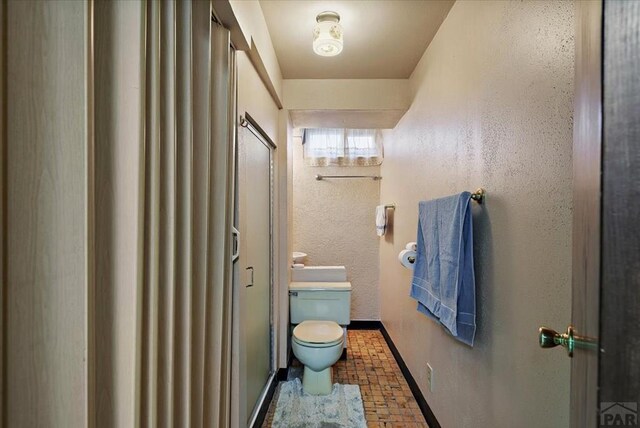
(318, 334)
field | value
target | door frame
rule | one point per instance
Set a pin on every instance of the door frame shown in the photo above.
(619, 359)
(587, 143)
(248, 122)
(606, 233)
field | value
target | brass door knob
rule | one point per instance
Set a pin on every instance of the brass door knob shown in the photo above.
(549, 338)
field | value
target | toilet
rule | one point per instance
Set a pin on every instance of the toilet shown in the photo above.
(320, 311)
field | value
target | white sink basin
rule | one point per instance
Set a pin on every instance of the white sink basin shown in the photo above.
(298, 257)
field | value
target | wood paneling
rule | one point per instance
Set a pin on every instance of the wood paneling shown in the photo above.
(46, 193)
(586, 208)
(619, 378)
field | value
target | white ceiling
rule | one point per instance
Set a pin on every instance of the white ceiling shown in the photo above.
(383, 39)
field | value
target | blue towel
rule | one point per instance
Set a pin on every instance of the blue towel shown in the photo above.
(443, 277)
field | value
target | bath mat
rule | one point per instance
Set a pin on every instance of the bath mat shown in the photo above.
(341, 409)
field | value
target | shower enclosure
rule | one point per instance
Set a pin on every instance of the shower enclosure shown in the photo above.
(253, 279)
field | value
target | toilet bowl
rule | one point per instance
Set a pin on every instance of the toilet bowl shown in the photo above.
(317, 345)
(319, 309)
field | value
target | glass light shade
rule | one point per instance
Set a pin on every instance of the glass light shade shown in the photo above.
(327, 35)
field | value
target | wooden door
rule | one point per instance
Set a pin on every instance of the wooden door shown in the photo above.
(605, 381)
(619, 364)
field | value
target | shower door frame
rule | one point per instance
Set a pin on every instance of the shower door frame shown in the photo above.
(250, 124)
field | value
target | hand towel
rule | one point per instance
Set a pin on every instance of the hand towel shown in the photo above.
(381, 220)
(443, 278)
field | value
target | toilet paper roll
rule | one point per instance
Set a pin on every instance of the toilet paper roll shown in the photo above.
(404, 257)
(297, 265)
(411, 246)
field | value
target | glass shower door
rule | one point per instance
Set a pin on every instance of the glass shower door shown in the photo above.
(255, 210)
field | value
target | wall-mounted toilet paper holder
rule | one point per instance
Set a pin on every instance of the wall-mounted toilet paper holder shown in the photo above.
(407, 257)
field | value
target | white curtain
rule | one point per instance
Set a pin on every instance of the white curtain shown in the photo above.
(342, 147)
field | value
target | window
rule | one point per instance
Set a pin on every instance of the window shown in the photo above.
(342, 147)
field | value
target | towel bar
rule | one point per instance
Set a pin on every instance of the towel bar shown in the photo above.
(478, 195)
(320, 177)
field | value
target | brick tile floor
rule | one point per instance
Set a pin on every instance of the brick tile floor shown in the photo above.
(388, 401)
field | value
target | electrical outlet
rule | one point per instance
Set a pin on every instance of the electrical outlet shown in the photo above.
(430, 377)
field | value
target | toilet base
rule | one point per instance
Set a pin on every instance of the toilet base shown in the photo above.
(317, 383)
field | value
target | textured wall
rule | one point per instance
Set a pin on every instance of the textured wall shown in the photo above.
(492, 108)
(334, 223)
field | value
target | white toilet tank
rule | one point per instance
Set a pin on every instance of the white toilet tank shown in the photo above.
(321, 301)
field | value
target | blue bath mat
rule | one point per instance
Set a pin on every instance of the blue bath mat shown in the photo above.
(341, 409)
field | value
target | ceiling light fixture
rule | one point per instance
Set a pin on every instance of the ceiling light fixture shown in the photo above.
(327, 34)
